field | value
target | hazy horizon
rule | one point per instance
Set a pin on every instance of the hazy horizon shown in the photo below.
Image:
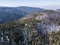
(46, 4)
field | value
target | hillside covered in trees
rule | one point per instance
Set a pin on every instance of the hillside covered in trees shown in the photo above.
(13, 13)
(41, 28)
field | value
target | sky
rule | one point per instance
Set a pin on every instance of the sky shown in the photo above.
(47, 4)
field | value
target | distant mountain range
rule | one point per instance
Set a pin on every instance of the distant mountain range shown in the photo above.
(13, 13)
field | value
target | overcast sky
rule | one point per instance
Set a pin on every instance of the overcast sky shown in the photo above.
(48, 4)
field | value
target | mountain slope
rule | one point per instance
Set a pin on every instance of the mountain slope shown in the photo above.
(14, 13)
(40, 28)
(48, 19)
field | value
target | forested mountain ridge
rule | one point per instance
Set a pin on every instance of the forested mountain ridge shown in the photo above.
(13, 13)
(40, 28)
